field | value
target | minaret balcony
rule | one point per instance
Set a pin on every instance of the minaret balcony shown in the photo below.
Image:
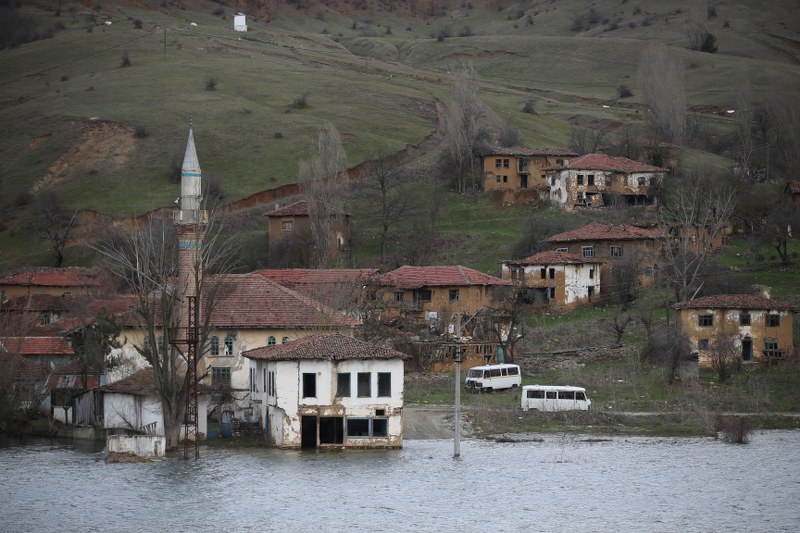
(191, 217)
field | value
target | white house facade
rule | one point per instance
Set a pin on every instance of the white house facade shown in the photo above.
(329, 390)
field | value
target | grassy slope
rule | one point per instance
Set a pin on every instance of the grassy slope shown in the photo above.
(381, 100)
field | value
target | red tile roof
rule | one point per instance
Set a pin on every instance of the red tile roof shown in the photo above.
(20, 368)
(39, 302)
(253, 301)
(309, 276)
(295, 209)
(552, 258)
(606, 232)
(609, 163)
(140, 383)
(327, 346)
(522, 151)
(36, 345)
(733, 301)
(414, 277)
(793, 187)
(55, 277)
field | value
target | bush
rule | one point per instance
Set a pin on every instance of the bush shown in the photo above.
(530, 106)
(218, 12)
(211, 84)
(733, 429)
(301, 102)
(137, 24)
(126, 59)
(140, 132)
(23, 199)
(623, 91)
(709, 44)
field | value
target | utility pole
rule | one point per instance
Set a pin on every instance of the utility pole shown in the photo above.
(457, 417)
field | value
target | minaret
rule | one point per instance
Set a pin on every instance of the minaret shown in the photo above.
(190, 222)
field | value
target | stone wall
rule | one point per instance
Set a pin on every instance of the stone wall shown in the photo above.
(533, 362)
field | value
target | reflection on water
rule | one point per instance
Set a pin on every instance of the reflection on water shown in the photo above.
(561, 484)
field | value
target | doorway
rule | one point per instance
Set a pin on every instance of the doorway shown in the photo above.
(331, 430)
(308, 432)
(747, 349)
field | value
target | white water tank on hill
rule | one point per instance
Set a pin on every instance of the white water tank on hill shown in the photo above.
(239, 22)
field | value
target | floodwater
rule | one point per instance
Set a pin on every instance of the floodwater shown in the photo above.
(565, 483)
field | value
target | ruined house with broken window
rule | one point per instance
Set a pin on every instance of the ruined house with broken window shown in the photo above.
(740, 327)
(557, 280)
(292, 223)
(329, 390)
(597, 180)
(516, 175)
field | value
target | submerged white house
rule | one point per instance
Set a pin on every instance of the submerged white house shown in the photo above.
(329, 390)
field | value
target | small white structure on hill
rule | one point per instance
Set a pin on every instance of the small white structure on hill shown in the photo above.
(239, 22)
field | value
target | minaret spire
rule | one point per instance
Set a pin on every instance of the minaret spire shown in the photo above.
(191, 184)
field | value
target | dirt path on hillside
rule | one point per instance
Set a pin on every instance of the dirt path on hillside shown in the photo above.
(427, 423)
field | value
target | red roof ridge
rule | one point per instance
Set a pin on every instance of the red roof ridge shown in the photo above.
(734, 301)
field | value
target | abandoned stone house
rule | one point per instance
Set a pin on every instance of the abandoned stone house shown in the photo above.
(329, 390)
(743, 327)
(617, 246)
(292, 223)
(558, 280)
(438, 295)
(516, 175)
(596, 180)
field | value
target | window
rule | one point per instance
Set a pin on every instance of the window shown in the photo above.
(286, 225)
(536, 394)
(285, 340)
(550, 395)
(398, 296)
(744, 318)
(264, 379)
(560, 162)
(364, 385)
(497, 178)
(580, 179)
(705, 321)
(513, 272)
(453, 295)
(553, 181)
(384, 384)
(380, 427)
(649, 272)
(253, 380)
(552, 273)
(271, 341)
(343, 384)
(608, 180)
(771, 348)
(580, 195)
(552, 293)
(641, 182)
(513, 371)
(214, 345)
(423, 295)
(498, 163)
(562, 249)
(271, 384)
(228, 345)
(220, 377)
(505, 179)
(702, 344)
(543, 273)
(591, 273)
(309, 384)
(358, 427)
(580, 395)
(616, 251)
(566, 395)
(587, 251)
(506, 163)
(590, 179)
(773, 320)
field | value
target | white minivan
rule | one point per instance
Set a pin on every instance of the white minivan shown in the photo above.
(493, 377)
(554, 398)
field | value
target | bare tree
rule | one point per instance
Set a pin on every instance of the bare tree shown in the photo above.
(667, 348)
(625, 280)
(619, 324)
(383, 193)
(147, 261)
(323, 178)
(696, 14)
(463, 124)
(695, 214)
(54, 223)
(509, 136)
(585, 140)
(660, 78)
(725, 355)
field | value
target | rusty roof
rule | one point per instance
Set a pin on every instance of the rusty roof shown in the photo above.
(552, 258)
(608, 163)
(55, 277)
(311, 276)
(414, 277)
(521, 151)
(36, 345)
(299, 208)
(606, 232)
(327, 346)
(734, 301)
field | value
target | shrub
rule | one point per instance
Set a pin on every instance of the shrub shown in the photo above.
(709, 44)
(733, 429)
(218, 11)
(278, 135)
(530, 106)
(140, 132)
(23, 199)
(301, 102)
(126, 59)
(211, 84)
(137, 24)
(623, 91)
(64, 78)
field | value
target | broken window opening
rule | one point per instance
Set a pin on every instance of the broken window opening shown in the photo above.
(364, 385)
(343, 385)
(309, 385)
(384, 384)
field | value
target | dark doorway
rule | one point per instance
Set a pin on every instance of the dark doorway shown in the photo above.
(747, 349)
(523, 182)
(331, 430)
(308, 432)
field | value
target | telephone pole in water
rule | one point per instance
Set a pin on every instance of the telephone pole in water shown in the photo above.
(457, 417)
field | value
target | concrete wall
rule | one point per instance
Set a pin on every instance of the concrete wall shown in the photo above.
(139, 445)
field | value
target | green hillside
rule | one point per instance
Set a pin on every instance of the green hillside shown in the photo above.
(109, 137)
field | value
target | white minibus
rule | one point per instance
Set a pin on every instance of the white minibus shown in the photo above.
(492, 377)
(554, 398)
